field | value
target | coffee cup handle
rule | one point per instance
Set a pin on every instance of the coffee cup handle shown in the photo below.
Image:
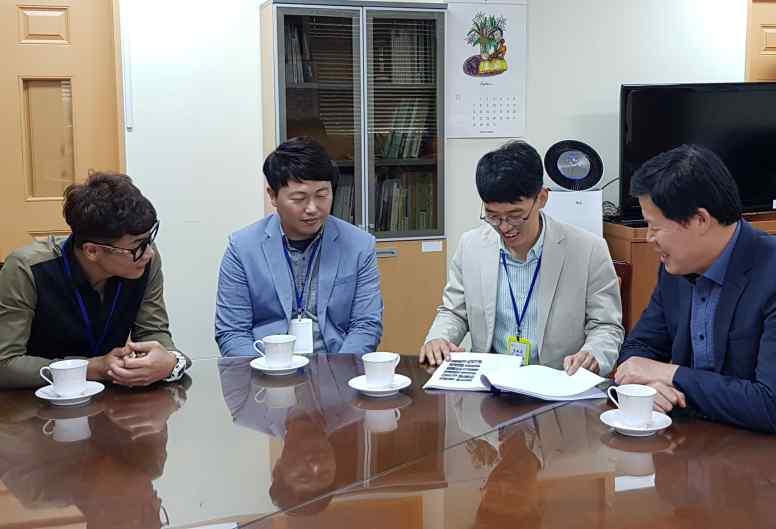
(396, 361)
(263, 393)
(46, 431)
(397, 413)
(44, 377)
(258, 351)
(609, 392)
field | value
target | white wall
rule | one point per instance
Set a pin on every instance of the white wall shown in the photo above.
(195, 146)
(579, 53)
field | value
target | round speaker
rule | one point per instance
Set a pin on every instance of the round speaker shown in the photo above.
(573, 165)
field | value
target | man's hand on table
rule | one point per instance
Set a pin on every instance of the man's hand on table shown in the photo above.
(436, 351)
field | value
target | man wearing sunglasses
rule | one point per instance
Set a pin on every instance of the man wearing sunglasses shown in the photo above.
(524, 283)
(96, 294)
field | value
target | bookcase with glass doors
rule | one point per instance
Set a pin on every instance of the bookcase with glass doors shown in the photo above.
(366, 80)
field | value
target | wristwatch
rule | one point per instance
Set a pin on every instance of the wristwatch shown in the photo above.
(177, 371)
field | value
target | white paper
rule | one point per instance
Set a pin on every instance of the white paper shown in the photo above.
(546, 383)
(431, 246)
(485, 362)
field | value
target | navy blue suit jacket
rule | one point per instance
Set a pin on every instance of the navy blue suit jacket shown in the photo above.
(741, 389)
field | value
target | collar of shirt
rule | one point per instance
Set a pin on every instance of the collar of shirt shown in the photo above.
(536, 250)
(291, 247)
(718, 269)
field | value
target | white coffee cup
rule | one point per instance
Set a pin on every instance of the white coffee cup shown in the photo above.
(379, 368)
(635, 402)
(277, 349)
(282, 397)
(302, 329)
(380, 421)
(68, 430)
(67, 377)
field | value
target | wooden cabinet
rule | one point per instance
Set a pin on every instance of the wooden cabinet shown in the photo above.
(630, 245)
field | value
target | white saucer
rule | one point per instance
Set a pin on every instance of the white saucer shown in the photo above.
(659, 422)
(297, 362)
(92, 389)
(399, 382)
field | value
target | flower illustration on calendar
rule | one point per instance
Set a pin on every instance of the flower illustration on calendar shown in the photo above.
(487, 34)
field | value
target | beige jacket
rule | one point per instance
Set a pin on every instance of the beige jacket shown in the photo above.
(579, 296)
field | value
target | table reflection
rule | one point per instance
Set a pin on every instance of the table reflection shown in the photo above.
(97, 462)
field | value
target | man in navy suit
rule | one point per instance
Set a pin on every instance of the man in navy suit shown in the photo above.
(300, 262)
(707, 339)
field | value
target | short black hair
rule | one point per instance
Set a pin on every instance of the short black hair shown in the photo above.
(685, 179)
(512, 172)
(298, 159)
(105, 208)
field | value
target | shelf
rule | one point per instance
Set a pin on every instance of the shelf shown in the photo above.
(379, 162)
(323, 85)
(390, 84)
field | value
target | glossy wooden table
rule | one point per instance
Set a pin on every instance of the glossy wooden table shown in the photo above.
(230, 446)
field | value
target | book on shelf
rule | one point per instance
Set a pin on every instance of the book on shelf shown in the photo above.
(344, 198)
(405, 202)
(298, 59)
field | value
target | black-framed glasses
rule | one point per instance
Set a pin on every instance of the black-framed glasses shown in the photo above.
(138, 251)
(513, 220)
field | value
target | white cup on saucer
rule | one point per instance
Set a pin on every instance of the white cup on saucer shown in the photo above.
(68, 430)
(379, 368)
(381, 421)
(67, 377)
(280, 397)
(635, 402)
(277, 349)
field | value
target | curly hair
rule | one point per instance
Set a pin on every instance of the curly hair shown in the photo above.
(105, 208)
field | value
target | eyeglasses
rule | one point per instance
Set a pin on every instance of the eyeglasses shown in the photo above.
(513, 220)
(138, 251)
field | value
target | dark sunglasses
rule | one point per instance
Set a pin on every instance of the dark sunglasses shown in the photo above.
(138, 251)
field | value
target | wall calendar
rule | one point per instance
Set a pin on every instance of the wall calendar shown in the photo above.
(486, 69)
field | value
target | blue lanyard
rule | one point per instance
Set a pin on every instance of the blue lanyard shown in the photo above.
(93, 342)
(518, 317)
(300, 294)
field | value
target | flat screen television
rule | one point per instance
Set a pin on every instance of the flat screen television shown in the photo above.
(735, 120)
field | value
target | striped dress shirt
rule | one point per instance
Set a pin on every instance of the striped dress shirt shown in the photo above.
(520, 275)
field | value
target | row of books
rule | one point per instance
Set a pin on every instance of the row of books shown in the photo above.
(298, 62)
(344, 201)
(412, 51)
(407, 128)
(406, 202)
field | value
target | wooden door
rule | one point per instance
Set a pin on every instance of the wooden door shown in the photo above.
(761, 41)
(59, 94)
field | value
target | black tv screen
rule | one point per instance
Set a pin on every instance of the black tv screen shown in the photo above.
(735, 120)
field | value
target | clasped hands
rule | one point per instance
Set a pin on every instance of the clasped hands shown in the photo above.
(135, 364)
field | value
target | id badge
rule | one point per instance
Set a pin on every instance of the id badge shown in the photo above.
(520, 347)
(302, 329)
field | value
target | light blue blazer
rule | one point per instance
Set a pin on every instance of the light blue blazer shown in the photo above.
(255, 291)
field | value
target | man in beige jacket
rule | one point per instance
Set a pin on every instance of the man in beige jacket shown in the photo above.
(524, 283)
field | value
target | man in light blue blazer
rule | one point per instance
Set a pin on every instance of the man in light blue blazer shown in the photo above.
(300, 262)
